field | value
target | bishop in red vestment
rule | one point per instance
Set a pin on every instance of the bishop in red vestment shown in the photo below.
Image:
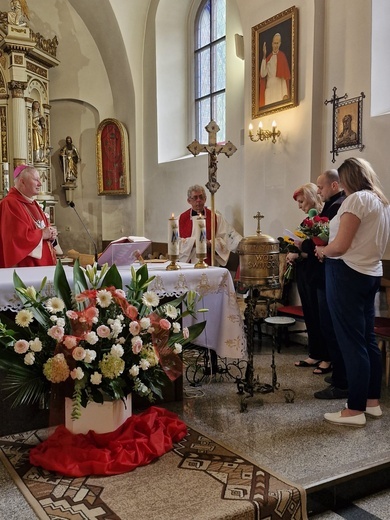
(25, 233)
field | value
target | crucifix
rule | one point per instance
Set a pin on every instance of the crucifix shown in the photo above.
(258, 216)
(213, 149)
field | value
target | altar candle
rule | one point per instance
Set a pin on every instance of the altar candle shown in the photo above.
(173, 236)
(200, 237)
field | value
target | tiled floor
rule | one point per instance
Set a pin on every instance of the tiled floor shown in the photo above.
(292, 438)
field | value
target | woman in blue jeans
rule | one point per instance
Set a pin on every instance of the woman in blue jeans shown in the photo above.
(353, 269)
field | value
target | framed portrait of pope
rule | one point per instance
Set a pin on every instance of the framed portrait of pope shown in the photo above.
(274, 63)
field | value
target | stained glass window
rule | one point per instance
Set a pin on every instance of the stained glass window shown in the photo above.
(210, 68)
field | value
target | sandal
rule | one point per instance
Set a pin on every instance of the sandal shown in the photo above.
(306, 364)
(319, 371)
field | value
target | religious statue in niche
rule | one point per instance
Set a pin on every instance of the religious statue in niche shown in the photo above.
(69, 158)
(39, 132)
(18, 15)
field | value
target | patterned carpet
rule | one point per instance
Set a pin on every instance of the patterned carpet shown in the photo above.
(199, 479)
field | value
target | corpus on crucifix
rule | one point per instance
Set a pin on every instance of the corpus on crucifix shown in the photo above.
(213, 150)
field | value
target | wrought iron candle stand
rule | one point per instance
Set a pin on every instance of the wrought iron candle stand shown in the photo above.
(202, 364)
(251, 383)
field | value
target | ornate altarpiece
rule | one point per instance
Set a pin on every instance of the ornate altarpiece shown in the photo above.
(25, 60)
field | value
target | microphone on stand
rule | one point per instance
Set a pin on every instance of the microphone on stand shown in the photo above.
(72, 205)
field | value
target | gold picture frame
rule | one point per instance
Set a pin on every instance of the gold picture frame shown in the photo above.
(112, 158)
(281, 92)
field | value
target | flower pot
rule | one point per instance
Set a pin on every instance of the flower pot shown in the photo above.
(319, 241)
(101, 418)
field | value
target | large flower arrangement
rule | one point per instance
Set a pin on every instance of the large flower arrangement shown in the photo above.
(104, 340)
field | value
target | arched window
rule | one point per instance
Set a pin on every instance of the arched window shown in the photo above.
(210, 68)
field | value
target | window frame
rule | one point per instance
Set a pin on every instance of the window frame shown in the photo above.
(214, 94)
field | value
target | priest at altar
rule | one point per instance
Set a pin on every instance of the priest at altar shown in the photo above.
(26, 237)
(226, 237)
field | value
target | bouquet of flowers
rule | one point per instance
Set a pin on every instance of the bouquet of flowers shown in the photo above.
(287, 245)
(104, 340)
(316, 228)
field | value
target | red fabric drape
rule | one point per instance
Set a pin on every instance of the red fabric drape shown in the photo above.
(141, 439)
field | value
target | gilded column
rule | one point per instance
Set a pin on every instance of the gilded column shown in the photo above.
(18, 122)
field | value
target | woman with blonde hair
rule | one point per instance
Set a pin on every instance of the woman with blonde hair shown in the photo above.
(318, 358)
(353, 267)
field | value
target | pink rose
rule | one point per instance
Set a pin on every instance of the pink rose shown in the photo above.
(136, 343)
(165, 324)
(72, 315)
(134, 328)
(56, 332)
(103, 331)
(78, 354)
(21, 346)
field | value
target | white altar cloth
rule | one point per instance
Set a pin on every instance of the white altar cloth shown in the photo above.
(224, 331)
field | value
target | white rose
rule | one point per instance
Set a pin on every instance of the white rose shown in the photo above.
(134, 371)
(117, 351)
(29, 358)
(177, 348)
(91, 338)
(176, 327)
(96, 378)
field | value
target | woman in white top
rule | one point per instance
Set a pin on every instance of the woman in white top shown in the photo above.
(358, 237)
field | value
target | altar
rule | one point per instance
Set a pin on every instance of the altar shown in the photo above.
(224, 331)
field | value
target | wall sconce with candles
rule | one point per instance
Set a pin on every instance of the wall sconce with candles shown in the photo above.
(264, 135)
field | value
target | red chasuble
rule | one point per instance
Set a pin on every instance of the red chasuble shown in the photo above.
(20, 234)
(185, 228)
